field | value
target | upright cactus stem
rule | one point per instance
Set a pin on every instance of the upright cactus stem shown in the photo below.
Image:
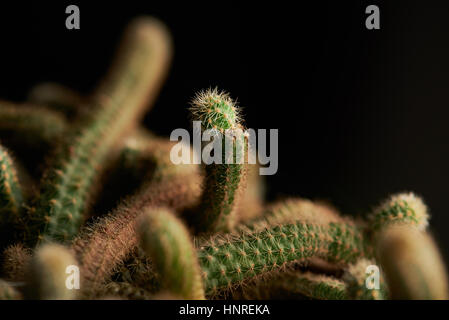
(400, 209)
(11, 197)
(47, 277)
(166, 240)
(118, 105)
(413, 266)
(225, 182)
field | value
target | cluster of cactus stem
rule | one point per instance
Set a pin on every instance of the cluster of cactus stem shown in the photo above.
(100, 195)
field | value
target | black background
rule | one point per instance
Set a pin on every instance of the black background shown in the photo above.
(361, 113)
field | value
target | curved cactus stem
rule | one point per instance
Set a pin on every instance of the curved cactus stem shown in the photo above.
(224, 182)
(118, 104)
(57, 97)
(32, 124)
(232, 260)
(167, 242)
(295, 285)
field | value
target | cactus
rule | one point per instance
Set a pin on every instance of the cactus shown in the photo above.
(296, 285)
(165, 239)
(224, 182)
(412, 264)
(104, 245)
(15, 262)
(57, 97)
(112, 202)
(228, 261)
(47, 275)
(33, 124)
(118, 103)
(11, 197)
(403, 208)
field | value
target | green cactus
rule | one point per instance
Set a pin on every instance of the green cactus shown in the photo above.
(230, 260)
(59, 98)
(296, 285)
(402, 208)
(224, 182)
(167, 242)
(118, 103)
(11, 197)
(131, 242)
(32, 124)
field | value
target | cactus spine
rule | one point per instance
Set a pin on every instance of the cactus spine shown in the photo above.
(118, 104)
(166, 240)
(225, 182)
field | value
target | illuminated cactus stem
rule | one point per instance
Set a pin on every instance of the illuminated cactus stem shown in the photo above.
(400, 209)
(46, 275)
(11, 198)
(230, 260)
(412, 264)
(167, 242)
(117, 106)
(225, 181)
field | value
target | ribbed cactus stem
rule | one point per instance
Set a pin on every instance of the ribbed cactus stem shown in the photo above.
(167, 242)
(224, 182)
(47, 277)
(11, 197)
(400, 209)
(32, 123)
(57, 97)
(412, 264)
(231, 260)
(295, 285)
(118, 105)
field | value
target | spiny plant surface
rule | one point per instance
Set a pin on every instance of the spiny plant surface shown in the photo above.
(84, 184)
